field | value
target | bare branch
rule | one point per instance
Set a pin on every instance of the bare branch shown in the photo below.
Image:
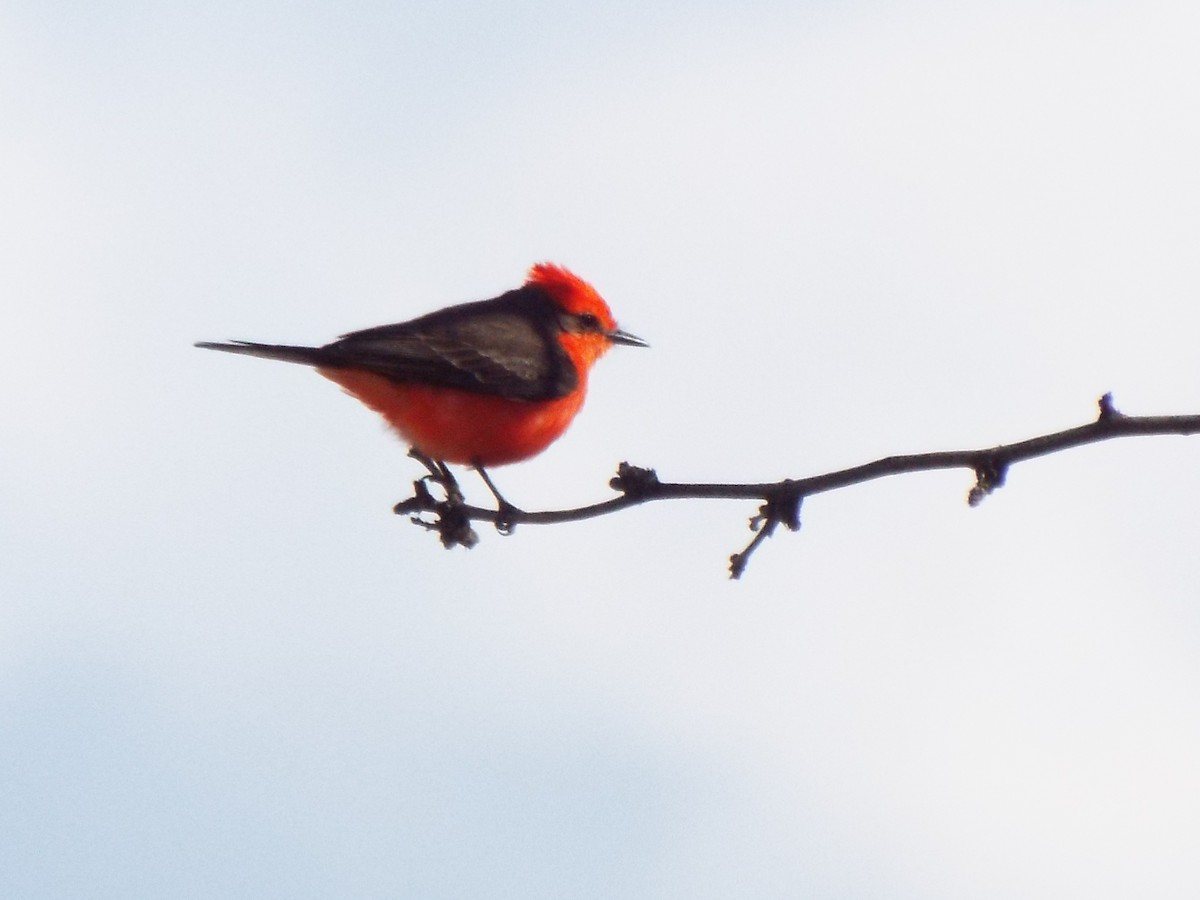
(781, 500)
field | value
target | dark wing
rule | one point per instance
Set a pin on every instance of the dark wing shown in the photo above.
(505, 346)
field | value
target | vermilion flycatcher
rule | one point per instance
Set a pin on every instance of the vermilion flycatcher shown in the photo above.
(481, 384)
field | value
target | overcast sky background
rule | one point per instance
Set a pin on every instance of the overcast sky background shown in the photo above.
(847, 230)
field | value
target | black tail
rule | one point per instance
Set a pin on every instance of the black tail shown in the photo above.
(309, 356)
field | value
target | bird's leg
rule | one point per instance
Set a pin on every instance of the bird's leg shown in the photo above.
(451, 518)
(506, 513)
(439, 473)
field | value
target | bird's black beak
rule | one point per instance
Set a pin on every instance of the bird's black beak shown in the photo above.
(624, 337)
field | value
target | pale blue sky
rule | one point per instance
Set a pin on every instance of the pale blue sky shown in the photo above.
(847, 230)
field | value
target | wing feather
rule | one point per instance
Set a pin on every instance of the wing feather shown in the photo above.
(505, 346)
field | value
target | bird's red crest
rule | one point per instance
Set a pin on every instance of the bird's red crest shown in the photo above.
(571, 292)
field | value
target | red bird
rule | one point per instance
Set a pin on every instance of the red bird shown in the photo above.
(481, 384)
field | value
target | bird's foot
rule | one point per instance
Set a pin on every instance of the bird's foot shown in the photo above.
(507, 514)
(450, 517)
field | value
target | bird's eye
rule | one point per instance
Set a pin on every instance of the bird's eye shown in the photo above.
(588, 322)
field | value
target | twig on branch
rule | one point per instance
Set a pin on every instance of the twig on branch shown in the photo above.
(781, 500)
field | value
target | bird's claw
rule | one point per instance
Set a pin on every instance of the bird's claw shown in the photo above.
(507, 516)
